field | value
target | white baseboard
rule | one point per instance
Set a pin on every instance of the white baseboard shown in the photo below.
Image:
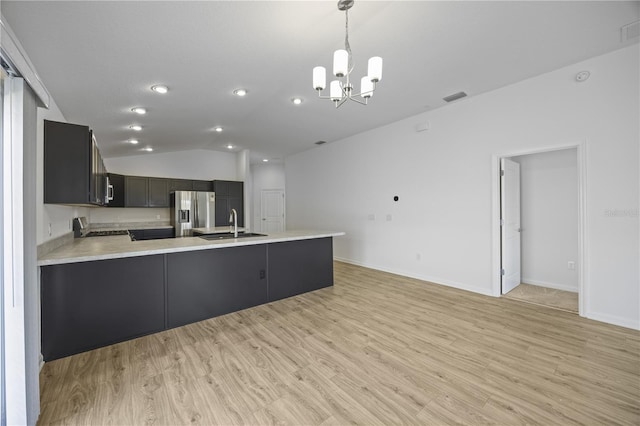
(615, 320)
(40, 361)
(434, 280)
(549, 285)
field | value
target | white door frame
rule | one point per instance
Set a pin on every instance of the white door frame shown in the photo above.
(583, 283)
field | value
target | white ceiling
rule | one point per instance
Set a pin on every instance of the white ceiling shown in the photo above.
(99, 58)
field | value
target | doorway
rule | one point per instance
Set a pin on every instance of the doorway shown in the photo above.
(272, 211)
(540, 227)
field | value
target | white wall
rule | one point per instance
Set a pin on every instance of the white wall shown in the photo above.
(549, 218)
(52, 220)
(265, 176)
(199, 164)
(441, 227)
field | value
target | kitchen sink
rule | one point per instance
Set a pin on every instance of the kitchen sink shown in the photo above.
(230, 236)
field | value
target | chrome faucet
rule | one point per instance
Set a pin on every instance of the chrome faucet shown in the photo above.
(233, 220)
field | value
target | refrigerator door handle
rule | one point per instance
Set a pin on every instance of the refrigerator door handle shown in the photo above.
(196, 219)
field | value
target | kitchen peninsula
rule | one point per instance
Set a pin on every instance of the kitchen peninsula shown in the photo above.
(104, 290)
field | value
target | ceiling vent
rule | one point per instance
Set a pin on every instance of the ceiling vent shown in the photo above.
(454, 97)
(630, 31)
(321, 142)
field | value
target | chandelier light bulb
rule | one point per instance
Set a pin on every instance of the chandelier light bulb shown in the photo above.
(340, 63)
(319, 78)
(375, 69)
(335, 91)
(366, 87)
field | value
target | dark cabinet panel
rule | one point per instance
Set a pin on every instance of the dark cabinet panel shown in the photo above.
(201, 185)
(229, 195)
(136, 189)
(158, 193)
(151, 234)
(92, 304)
(236, 189)
(180, 185)
(208, 283)
(296, 267)
(68, 164)
(221, 188)
(117, 182)
(222, 211)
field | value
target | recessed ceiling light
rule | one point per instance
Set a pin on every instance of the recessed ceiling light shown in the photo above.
(229, 146)
(139, 110)
(217, 129)
(148, 149)
(133, 141)
(296, 101)
(158, 88)
(136, 127)
(240, 92)
(265, 160)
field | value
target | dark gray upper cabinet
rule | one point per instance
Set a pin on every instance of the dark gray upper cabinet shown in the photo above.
(158, 193)
(229, 195)
(201, 185)
(135, 191)
(74, 172)
(117, 182)
(143, 191)
(180, 185)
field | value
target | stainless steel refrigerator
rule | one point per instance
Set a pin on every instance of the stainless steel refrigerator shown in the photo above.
(192, 209)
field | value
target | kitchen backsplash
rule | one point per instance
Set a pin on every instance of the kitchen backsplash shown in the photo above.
(128, 215)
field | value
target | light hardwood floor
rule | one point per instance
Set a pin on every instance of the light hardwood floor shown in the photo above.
(551, 297)
(375, 349)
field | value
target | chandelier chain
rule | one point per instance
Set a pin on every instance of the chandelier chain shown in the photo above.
(347, 46)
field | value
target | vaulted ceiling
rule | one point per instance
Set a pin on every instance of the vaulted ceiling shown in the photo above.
(99, 59)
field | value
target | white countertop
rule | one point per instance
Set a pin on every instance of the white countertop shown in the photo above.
(215, 230)
(120, 246)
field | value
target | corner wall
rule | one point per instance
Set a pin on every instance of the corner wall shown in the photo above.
(440, 230)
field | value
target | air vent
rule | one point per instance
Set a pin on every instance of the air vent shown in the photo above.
(630, 31)
(454, 97)
(321, 142)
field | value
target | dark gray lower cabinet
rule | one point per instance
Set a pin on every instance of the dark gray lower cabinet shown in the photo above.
(87, 305)
(297, 267)
(208, 283)
(92, 304)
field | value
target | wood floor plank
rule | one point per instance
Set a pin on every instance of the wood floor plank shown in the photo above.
(375, 348)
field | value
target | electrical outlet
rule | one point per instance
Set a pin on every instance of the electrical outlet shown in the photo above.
(418, 256)
(371, 216)
(571, 265)
(157, 216)
(389, 218)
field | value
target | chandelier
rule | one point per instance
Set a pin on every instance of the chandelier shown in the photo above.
(341, 89)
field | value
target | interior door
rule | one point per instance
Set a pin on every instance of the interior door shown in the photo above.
(272, 210)
(510, 224)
